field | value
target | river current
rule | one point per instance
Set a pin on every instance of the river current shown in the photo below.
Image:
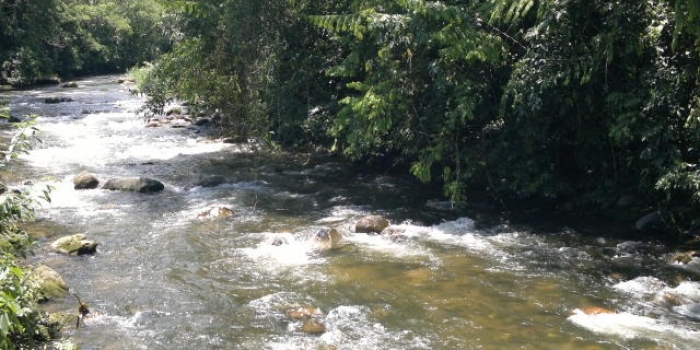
(167, 277)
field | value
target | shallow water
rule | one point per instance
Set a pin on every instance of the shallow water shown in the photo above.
(165, 277)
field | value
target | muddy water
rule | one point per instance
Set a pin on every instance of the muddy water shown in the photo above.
(166, 277)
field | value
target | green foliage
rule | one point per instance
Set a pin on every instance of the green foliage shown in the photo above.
(21, 324)
(576, 101)
(42, 38)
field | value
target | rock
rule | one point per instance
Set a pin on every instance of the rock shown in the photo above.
(650, 223)
(62, 319)
(71, 84)
(76, 244)
(217, 212)
(202, 121)
(57, 99)
(85, 181)
(153, 124)
(595, 310)
(210, 181)
(327, 238)
(303, 312)
(683, 258)
(14, 119)
(311, 326)
(134, 184)
(51, 284)
(371, 224)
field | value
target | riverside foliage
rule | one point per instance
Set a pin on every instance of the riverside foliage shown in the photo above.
(40, 39)
(584, 103)
(578, 102)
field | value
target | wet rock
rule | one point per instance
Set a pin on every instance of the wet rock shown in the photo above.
(371, 224)
(202, 121)
(57, 99)
(153, 124)
(85, 181)
(210, 181)
(327, 238)
(14, 119)
(311, 326)
(683, 258)
(71, 84)
(595, 310)
(301, 313)
(216, 212)
(650, 223)
(134, 184)
(76, 244)
(51, 284)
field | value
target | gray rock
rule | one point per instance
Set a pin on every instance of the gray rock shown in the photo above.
(650, 223)
(371, 224)
(134, 184)
(85, 181)
(57, 99)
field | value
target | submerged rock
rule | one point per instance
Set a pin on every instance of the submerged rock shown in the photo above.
(51, 284)
(217, 212)
(76, 244)
(371, 224)
(327, 238)
(71, 84)
(85, 180)
(134, 184)
(57, 99)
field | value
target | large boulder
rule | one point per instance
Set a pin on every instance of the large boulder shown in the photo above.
(84, 181)
(77, 244)
(650, 223)
(134, 184)
(371, 224)
(51, 284)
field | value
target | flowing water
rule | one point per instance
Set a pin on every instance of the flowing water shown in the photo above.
(166, 277)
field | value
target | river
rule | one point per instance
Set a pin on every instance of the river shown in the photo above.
(166, 277)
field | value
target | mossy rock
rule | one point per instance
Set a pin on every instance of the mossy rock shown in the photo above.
(682, 258)
(76, 244)
(60, 320)
(51, 284)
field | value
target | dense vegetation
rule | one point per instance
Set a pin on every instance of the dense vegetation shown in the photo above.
(22, 325)
(40, 39)
(582, 103)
